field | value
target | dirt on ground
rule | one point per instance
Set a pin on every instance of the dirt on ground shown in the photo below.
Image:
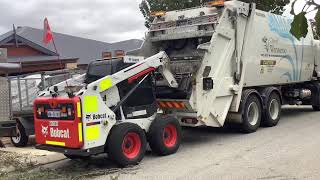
(11, 162)
(287, 151)
(14, 166)
(29, 163)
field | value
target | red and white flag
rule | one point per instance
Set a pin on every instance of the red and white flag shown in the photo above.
(48, 35)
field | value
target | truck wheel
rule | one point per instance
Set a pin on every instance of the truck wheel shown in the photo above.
(126, 144)
(271, 115)
(21, 140)
(251, 117)
(164, 135)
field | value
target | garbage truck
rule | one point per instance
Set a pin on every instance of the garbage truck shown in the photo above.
(210, 65)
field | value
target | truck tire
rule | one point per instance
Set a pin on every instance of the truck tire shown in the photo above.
(316, 108)
(251, 116)
(126, 144)
(164, 135)
(21, 140)
(272, 113)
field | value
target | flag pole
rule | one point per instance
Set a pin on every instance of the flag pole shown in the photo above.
(56, 51)
(51, 38)
(61, 65)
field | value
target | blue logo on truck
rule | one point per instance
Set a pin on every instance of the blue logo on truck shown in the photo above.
(282, 26)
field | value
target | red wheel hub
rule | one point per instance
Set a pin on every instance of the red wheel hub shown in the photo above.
(131, 145)
(170, 135)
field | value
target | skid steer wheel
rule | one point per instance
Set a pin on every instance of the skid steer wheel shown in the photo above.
(21, 140)
(251, 117)
(164, 135)
(126, 144)
(272, 113)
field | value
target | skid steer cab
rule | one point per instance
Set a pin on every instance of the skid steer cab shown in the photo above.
(115, 113)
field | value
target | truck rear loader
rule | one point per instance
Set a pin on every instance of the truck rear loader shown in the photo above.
(210, 65)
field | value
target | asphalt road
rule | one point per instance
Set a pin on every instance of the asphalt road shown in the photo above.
(287, 151)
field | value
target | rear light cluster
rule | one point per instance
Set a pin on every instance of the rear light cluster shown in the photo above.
(60, 111)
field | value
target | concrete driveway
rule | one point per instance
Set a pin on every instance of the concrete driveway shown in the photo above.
(287, 151)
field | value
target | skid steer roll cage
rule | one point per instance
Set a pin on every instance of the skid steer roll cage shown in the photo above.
(158, 62)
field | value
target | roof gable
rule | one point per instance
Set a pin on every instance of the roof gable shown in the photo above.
(10, 36)
(68, 46)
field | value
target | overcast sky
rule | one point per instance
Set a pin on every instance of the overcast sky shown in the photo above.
(103, 20)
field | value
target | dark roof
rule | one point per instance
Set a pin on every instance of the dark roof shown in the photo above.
(37, 58)
(68, 46)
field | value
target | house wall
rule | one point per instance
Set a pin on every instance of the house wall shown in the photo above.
(21, 50)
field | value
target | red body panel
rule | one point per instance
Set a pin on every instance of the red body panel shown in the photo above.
(57, 132)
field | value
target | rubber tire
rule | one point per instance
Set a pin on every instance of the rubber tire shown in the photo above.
(115, 140)
(267, 121)
(246, 127)
(23, 139)
(76, 157)
(155, 135)
(316, 108)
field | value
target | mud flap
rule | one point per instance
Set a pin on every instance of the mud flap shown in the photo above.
(7, 128)
(315, 90)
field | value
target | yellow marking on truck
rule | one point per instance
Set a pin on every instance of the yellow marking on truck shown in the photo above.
(56, 143)
(91, 104)
(92, 132)
(105, 84)
(80, 131)
(268, 62)
(78, 109)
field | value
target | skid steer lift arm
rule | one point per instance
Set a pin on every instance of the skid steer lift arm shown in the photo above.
(159, 61)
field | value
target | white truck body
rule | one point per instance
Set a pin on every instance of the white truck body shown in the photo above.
(249, 48)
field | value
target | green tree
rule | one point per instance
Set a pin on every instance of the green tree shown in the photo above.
(274, 6)
(299, 26)
(148, 6)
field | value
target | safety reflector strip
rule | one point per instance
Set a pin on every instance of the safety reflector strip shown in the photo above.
(78, 109)
(56, 143)
(105, 84)
(80, 131)
(171, 104)
(93, 123)
(144, 72)
(92, 132)
(91, 104)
